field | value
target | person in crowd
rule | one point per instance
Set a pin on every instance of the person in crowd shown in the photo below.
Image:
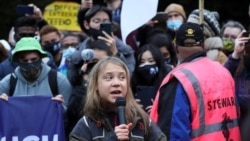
(92, 20)
(69, 42)
(211, 30)
(164, 43)
(239, 66)
(50, 38)
(214, 49)
(149, 71)
(32, 75)
(80, 82)
(4, 50)
(229, 32)
(196, 100)
(23, 27)
(176, 17)
(115, 7)
(210, 25)
(110, 79)
(168, 21)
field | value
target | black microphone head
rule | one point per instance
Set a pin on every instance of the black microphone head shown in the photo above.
(120, 101)
(87, 54)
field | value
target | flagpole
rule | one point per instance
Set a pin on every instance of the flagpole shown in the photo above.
(201, 9)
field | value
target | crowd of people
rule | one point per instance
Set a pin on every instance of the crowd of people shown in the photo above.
(181, 80)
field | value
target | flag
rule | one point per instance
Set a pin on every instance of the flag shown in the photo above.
(135, 13)
(31, 118)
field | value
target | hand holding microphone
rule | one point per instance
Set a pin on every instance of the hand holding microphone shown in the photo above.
(123, 129)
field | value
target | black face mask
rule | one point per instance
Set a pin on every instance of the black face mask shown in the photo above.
(147, 73)
(53, 48)
(247, 63)
(94, 33)
(167, 60)
(30, 70)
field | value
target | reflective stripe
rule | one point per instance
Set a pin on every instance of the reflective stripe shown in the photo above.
(203, 129)
(196, 86)
(213, 128)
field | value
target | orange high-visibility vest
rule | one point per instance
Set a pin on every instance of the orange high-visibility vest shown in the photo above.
(210, 89)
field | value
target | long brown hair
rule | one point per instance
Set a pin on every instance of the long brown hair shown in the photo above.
(93, 100)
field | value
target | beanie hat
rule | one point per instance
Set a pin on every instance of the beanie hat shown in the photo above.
(28, 44)
(211, 26)
(189, 31)
(5, 44)
(213, 43)
(173, 7)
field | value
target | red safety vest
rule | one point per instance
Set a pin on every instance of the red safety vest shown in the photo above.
(210, 89)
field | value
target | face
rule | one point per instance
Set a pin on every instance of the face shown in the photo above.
(100, 54)
(28, 57)
(49, 38)
(112, 83)
(164, 52)
(97, 19)
(25, 31)
(175, 16)
(231, 32)
(69, 41)
(147, 59)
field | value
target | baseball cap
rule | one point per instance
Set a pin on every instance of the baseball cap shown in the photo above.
(189, 34)
(27, 44)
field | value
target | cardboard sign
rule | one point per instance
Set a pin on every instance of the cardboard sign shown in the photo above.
(62, 15)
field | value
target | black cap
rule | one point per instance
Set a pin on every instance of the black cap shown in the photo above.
(189, 34)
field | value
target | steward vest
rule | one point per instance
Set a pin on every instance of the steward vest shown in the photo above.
(210, 90)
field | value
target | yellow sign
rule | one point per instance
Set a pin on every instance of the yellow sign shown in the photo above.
(62, 15)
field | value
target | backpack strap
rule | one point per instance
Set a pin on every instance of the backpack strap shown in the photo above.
(53, 81)
(13, 81)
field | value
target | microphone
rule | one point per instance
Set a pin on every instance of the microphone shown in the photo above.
(87, 54)
(120, 104)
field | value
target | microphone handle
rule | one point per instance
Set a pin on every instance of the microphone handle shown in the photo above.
(121, 114)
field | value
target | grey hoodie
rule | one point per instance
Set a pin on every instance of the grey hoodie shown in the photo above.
(39, 87)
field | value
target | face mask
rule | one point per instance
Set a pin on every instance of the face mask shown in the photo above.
(53, 48)
(94, 33)
(167, 60)
(30, 70)
(228, 45)
(247, 63)
(148, 73)
(68, 52)
(174, 24)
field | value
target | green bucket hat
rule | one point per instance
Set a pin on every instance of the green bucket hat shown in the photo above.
(28, 44)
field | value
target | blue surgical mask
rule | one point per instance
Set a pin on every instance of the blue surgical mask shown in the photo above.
(174, 24)
(68, 52)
